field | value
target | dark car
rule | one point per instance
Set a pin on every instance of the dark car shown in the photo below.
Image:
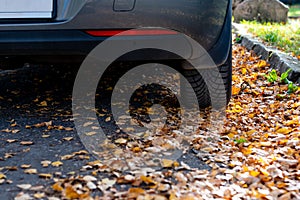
(67, 30)
(290, 2)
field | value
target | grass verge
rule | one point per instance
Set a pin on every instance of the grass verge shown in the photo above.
(285, 37)
(294, 11)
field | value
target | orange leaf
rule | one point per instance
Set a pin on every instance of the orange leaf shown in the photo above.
(235, 90)
(147, 180)
(57, 187)
(246, 151)
(70, 193)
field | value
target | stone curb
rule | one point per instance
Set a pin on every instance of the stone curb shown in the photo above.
(277, 59)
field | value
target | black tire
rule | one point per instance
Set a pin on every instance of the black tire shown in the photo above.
(221, 86)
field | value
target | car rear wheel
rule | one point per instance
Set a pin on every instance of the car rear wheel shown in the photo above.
(221, 86)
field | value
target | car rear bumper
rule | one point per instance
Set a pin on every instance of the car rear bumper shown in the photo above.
(60, 44)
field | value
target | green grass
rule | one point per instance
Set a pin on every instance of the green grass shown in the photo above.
(294, 11)
(285, 37)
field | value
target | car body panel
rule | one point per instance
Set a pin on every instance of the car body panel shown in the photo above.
(203, 20)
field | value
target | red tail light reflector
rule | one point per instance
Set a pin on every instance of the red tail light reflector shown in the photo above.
(134, 32)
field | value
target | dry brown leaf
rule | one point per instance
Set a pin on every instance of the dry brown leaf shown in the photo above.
(45, 176)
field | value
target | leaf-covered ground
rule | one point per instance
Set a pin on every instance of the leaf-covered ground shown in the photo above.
(256, 155)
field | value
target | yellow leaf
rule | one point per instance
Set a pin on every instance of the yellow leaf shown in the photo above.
(167, 163)
(57, 164)
(245, 168)
(262, 63)
(284, 130)
(251, 116)
(251, 132)
(264, 172)
(231, 135)
(235, 78)
(2, 176)
(39, 195)
(244, 71)
(266, 144)
(67, 157)
(30, 171)
(25, 166)
(173, 196)
(45, 163)
(254, 173)
(121, 141)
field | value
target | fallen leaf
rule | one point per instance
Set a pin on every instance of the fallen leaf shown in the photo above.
(26, 143)
(167, 163)
(57, 187)
(68, 138)
(87, 124)
(121, 141)
(11, 140)
(43, 103)
(22, 196)
(44, 175)
(30, 171)
(24, 186)
(24, 166)
(91, 133)
(45, 163)
(57, 164)
(67, 157)
(147, 180)
(39, 195)
(2, 176)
